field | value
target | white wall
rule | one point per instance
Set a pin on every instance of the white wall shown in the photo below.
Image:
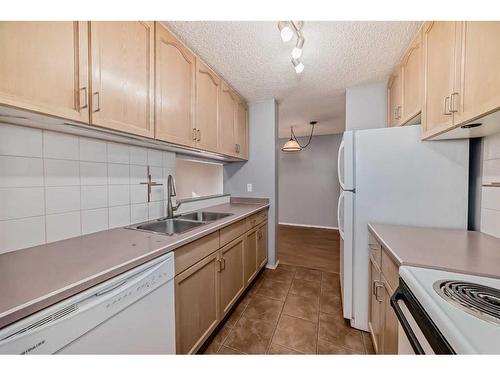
(197, 178)
(366, 106)
(490, 196)
(308, 183)
(262, 167)
(55, 186)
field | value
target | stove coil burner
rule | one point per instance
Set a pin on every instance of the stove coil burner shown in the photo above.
(479, 300)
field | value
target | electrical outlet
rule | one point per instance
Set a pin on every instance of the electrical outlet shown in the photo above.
(249, 188)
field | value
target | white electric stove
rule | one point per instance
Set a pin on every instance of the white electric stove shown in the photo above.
(444, 312)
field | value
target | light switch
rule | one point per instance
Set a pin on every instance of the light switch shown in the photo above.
(249, 188)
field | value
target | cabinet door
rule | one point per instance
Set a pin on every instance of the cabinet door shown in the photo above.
(375, 313)
(262, 246)
(122, 63)
(231, 274)
(196, 306)
(390, 322)
(250, 256)
(175, 89)
(241, 129)
(478, 87)
(227, 139)
(412, 80)
(44, 67)
(394, 96)
(438, 42)
(207, 107)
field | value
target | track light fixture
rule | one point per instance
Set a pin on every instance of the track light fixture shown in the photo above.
(287, 30)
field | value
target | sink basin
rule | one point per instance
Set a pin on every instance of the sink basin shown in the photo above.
(204, 216)
(169, 226)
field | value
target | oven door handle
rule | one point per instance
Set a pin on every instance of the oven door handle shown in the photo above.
(400, 296)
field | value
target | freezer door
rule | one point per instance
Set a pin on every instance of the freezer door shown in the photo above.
(345, 161)
(345, 212)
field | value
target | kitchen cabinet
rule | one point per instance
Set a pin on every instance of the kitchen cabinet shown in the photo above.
(389, 339)
(44, 68)
(241, 129)
(375, 313)
(262, 245)
(122, 76)
(250, 258)
(231, 274)
(394, 98)
(207, 107)
(196, 303)
(227, 139)
(175, 89)
(411, 67)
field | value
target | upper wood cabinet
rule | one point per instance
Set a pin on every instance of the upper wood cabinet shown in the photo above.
(241, 129)
(175, 89)
(227, 144)
(122, 76)
(44, 67)
(207, 107)
(412, 80)
(477, 81)
(394, 98)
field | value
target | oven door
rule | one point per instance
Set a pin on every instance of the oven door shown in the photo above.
(417, 332)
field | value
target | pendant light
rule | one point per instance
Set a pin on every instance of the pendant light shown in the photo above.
(293, 145)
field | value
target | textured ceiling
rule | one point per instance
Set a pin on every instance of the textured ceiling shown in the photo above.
(254, 60)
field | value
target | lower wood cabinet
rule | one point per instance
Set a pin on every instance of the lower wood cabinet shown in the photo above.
(375, 313)
(250, 260)
(196, 303)
(262, 245)
(231, 280)
(389, 337)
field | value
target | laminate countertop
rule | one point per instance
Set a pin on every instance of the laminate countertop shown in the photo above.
(37, 277)
(452, 250)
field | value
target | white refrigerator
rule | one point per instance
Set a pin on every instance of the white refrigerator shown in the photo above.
(388, 175)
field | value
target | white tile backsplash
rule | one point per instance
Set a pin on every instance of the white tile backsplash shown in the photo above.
(55, 186)
(20, 141)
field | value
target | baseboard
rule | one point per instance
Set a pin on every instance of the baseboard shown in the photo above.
(273, 266)
(309, 226)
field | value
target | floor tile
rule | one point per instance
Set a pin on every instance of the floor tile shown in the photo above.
(274, 289)
(305, 288)
(308, 274)
(278, 349)
(330, 282)
(250, 336)
(218, 340)
(297, 334)
(235, 315)
(264, 308)
(302, 307)
(330, 303)
(367, 340)
(287, 267)
(336, 329)
(226, 350)
(280, 275)
(326, 347)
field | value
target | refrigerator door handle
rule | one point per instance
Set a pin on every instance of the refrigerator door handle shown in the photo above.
(339, 207)
(339, 163)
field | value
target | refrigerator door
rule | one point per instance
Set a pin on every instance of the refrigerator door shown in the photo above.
(345, 161)
(345, 212)
(403, 180)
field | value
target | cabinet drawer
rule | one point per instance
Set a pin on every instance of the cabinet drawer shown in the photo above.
(256, 219)
(193, 252)
(375, 250)
(390, 270)
(232, 231)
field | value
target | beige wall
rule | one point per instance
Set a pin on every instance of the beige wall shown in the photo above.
(490, 196)
(197, 179)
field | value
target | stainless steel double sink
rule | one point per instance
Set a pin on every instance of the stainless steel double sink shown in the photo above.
(181, 223)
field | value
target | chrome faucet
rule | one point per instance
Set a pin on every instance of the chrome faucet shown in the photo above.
(171, 193)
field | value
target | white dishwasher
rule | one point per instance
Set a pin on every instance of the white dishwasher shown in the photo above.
(132, 313)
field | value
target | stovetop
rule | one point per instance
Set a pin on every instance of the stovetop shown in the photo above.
(465, 308)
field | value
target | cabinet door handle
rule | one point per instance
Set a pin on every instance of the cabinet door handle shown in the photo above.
(194, 134)
(223, 263)
(259, 234)
(219, 265)
(198, 138)
(377, 286)
(452, 103)
(446, 103)
(84, 95)
(98, 101)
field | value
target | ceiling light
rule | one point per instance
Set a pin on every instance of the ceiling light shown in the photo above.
(297, 51)
(285, 31)
(299, 67)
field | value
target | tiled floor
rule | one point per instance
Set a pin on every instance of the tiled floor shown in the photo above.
(290, 310)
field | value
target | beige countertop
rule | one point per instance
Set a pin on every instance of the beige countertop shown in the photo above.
(452, 250)
(37, 277)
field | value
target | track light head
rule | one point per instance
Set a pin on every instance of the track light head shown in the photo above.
(285, 30)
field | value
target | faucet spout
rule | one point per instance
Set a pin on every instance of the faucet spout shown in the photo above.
(171, 193)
